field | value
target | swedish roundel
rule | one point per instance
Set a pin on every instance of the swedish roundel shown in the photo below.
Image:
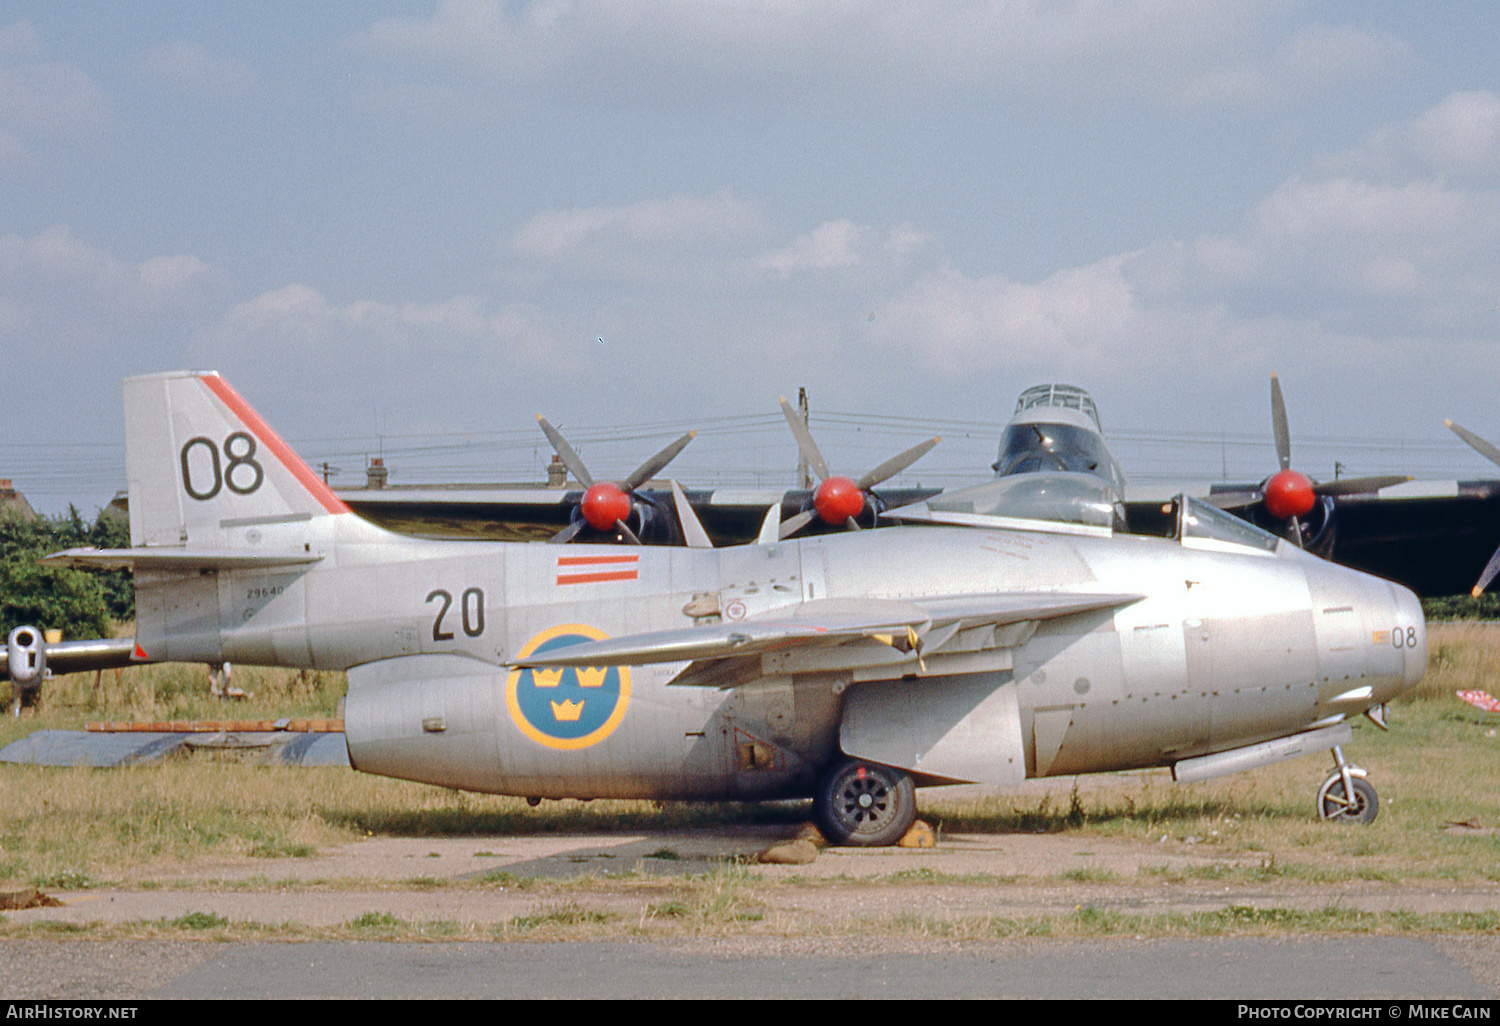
(567, 707)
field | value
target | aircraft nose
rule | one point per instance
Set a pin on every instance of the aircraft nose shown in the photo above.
(1413, 641)
(1372, 637)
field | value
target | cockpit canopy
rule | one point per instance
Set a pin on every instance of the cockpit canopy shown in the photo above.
(1028, 448)
(1205, 526)
(1056, 428)
(1062, 397)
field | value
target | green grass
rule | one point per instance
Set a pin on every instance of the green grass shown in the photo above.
(199, 921)
(71, 829)
(568, 914)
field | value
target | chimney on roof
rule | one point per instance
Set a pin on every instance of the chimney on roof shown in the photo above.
(12, 501)
(557, 473)
(376, 473)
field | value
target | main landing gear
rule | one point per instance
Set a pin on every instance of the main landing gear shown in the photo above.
(1346, 796)
(864, 804)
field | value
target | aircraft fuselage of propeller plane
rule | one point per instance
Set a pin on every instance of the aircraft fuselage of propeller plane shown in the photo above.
(991, 634)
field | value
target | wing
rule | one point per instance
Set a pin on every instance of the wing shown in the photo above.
(875, 637)
(1432, 536)
(730, 516)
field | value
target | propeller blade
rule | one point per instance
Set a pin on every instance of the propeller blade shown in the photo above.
(852, 524)
(1297, 533)
(810, 450)
(1490, 569)
(1359, 485)
(794, 524)
(896, 464)
(646, 471)
(768, 527)
(627, 532)
(567, 533)
(692, 528)
(565, 452)
(1479, 445)
(1279, 425)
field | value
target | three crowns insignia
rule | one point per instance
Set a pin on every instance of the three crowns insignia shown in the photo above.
(568, 711)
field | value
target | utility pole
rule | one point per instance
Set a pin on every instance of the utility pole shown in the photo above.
(804, 479)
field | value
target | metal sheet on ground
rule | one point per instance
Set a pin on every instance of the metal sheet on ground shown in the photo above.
(106, 749)
(310, 750)
(90, 748)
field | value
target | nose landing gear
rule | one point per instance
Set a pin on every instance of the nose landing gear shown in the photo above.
(1346, 796)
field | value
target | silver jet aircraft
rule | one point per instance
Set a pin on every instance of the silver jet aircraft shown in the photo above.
(1002, 632)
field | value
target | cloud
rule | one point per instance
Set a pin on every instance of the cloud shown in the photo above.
(874, 54)
(1332, 265)
(19, 42)
(298, 323)
(1344, 261)
(190, 68)
(65, 302)
(1458, 139)
(831, 244)
(42, 99)
(1314, 58)
(639, 236)
(57, 259)
(1400, 236)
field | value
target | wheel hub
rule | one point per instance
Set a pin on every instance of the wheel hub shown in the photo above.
(865, 801)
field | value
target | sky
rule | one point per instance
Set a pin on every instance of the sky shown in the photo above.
(407, 228)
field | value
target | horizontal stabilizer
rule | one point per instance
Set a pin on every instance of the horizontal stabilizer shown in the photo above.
(173, 559)
(825, 622)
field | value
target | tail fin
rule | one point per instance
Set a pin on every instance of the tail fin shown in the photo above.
(199, 460)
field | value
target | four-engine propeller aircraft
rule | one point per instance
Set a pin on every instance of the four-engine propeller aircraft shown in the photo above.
(1432, 536)
(997, 633)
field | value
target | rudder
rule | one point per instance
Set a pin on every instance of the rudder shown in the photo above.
(199, 461)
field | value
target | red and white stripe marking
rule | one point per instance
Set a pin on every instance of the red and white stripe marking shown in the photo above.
(593, 569)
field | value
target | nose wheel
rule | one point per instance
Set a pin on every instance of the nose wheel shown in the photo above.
(1346, 796)
(865, 804)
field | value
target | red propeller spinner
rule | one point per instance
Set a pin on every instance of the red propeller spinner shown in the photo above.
(838, 499)
(1288, 494)
(606, 506)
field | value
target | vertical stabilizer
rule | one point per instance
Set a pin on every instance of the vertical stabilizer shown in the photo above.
(200, 461)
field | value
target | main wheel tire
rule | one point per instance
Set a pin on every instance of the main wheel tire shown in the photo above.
(1333, 806)
(864, 804)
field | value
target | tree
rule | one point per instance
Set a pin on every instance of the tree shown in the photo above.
(80, 604)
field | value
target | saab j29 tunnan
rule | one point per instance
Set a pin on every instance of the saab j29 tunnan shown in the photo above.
(996, 633)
